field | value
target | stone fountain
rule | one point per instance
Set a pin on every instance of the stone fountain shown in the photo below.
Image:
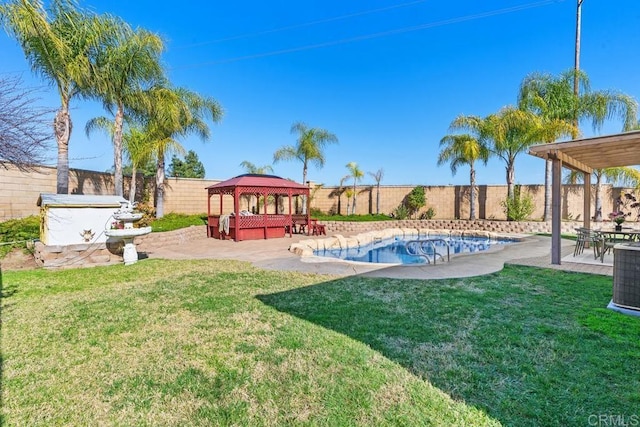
(126, 216)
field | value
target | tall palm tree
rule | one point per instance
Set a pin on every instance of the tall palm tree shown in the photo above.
(464, 149)
(566, 97)
(137, 144)
(377, 176)
(257, 170)
(175, 113)
(539, 95)
(138, 147)
(339, 191)
(553, 97)
(308, 149)
(59, 44)
(129, 64)
(549, 130)
(356, 174)
(348, 194)
(507, 134)
(627, 176)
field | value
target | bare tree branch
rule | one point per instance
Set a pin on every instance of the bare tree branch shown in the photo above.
(24, 127)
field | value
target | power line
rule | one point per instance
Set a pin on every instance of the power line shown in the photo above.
(306, 24)
(375, 35)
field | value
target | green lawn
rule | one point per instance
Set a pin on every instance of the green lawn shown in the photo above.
(223, 343)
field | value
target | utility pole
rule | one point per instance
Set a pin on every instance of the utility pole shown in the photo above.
(576, 79)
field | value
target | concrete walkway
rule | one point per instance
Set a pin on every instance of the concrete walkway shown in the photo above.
(273, 254)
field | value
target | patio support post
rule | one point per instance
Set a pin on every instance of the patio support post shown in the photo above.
(556, 211)
(264, 217)
(208, 212)
(236, 209)
(290, 213)
(587, 201)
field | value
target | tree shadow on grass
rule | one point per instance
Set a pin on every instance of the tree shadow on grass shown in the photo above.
(5, 293)
(526, 345)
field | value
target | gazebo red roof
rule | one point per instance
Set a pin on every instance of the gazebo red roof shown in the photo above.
(254, 180)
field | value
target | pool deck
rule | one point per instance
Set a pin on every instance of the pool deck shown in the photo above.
(273, 254)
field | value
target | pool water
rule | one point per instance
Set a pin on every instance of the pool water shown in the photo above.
(394, 251)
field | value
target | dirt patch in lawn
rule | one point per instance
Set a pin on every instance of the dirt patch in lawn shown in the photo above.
(18, 259)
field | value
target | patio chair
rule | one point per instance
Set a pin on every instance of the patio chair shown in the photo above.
(610, 239)
(317, 229)
(587, 237)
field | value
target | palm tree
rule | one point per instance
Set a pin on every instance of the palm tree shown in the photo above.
(507, 134)
(138, 147)
(464, 150)
(129, 64)
(356, 173)
(377, 176)
(59, 45)
(565, 98)
(176, 112)
(627, 176)
(257, 170)
(535, 97)
(553, 97)
(338, 191)
(309, 149)
(349, 193)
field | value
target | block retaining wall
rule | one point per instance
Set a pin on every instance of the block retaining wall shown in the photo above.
(97, 254)
(349, 228)
(81, 255)
(176, 237)
(89, 255)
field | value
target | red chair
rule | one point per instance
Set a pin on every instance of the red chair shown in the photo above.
(317, 229)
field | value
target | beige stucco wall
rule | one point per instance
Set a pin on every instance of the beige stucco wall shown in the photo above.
(186, 195)
(19, 191)
(452, 201)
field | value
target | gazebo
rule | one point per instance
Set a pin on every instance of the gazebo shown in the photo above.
(264, 220)
(584, 155)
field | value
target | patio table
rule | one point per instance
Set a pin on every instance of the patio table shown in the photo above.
(611, 237)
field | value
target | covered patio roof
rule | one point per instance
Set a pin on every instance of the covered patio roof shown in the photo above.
(584, 155)
(600, 152)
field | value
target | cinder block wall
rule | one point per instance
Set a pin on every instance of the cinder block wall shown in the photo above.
(187, 195)
(20, 190)
(453, 201)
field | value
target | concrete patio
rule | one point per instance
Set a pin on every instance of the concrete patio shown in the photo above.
(274, 254)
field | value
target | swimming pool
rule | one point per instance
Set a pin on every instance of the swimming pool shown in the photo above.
(396, 251)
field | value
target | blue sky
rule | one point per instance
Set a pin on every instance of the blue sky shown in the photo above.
(386, 76)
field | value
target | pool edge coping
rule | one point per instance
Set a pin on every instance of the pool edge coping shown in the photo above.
(306, 248)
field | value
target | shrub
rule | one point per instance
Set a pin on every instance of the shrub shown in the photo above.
(315, 212)
(428, 214)
(15, 233)
(518, 207)
(174, 221)
(411, 204)
(415, 200)
(401, 212)
(148, 214)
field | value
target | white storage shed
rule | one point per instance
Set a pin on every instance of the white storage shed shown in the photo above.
(70, 219)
